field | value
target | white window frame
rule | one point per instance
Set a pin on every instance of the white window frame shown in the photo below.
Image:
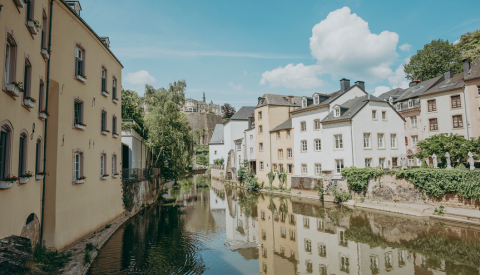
(274, 168)
(381, 162)
(374, 114)
(289, 153)
(304, 169)
(304, 146)
(414, 140)
(318, 169)
(102, 164)
(278, 135)
(318, 145)
(260, 146)
(381, 141)
(303, 126)
(339, 165)
(280, 153)
(393, 140)
(336, 112)
(399, 106)
(304, 103)
(367, 140)
(410, 103)
(368, 162)
(317, 125)
(261, 165)
(413, 121)
(338, 141)
(77, 165)
(384, 115)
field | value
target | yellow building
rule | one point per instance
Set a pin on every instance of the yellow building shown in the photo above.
(271, 111)
(83, 80)
(281, 138)
(472, 92)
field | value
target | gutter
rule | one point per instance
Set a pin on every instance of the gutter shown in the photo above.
(46, 123)
(466, 116)
(351, 138)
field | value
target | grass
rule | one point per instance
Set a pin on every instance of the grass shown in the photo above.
(47, 261)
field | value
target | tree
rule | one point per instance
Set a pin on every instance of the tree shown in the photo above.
(228, 110)
(469, 45)
(458, 147)
(433, 60)
(131, 109)
(242, 173)
(271, 177)
(282, 177)
(169, 135)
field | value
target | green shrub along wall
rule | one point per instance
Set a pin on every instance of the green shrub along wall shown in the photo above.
(435, 182)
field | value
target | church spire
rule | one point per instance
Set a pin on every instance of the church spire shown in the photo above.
(204, 97)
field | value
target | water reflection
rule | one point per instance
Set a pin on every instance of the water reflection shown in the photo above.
(203, 227)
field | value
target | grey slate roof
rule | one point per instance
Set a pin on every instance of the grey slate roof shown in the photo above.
(419, 89)
(243, 113)
(474, 70)
(217, 136)
(351, 107)
(395, 93)
(443, 85)
(282, 100)
(287, 124)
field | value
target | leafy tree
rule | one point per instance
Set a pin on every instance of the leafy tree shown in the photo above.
(169, 135)
(228, 110)
(458, 147)
(271, 177)
(433, 60)
(469, 45)
(243, 171)
(202, 159)
(282, 178)
(219, 161)
(131, 109)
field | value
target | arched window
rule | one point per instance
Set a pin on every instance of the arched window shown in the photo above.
(22, 154)
(5, 149)
(10, 62)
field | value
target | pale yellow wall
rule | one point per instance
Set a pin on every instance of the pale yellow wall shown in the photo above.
(474, 101)
(272, 116)
(20, 201)
(76, 210)
(283, 143)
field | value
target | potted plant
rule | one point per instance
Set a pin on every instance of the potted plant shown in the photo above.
(105, 176)
(25, 178)
(43, 114)
(14, 88)
(115, 100)
(105, 93)
(8, 181)
(115, 175)
(80, 180)
(82, 78)
(40, 175)
(29, 101)
(115, 135)
(105, 132)
(80, 125)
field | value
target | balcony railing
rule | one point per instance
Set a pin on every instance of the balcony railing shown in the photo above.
(139, 173)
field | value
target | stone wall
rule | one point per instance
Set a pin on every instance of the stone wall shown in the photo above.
(216, 173)
(205, 121)
(138, 194)
(14, 253)
(31, 230)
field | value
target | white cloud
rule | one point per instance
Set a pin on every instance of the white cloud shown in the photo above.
(293, 76)
(152, 52)
(141, 77)
(245, 72)
(456, 42)
(397, 79)
(235, 87)
(405, 47)
(380, 90)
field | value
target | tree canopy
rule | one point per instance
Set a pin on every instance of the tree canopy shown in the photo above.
(228, 110)
(457, 146)
(433, 60)
(469, 45)
(131, 109)
(169, 135)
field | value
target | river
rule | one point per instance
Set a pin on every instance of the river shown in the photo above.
(204, 227)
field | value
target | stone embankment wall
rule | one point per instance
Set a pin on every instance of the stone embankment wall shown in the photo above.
(216, 172)
(205, 121)
(138, 194)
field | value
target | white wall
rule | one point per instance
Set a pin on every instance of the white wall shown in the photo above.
(249, 143)
(138, 154)
(220, 152)
(353, 93)
(232, 130)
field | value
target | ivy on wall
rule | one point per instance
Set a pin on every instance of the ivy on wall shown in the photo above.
(358, 178)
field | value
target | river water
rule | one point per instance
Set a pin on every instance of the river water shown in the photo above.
(204, 227)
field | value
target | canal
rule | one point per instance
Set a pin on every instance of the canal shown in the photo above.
(204, 227)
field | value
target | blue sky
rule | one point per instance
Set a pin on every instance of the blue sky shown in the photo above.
(235, 51)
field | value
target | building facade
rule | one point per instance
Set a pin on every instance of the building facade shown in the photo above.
(283, 155)
(472, 94)
(196, 106)
(216, 145)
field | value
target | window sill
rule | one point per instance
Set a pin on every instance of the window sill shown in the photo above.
(39, 177)
(115, 176)
(23, 180)
(433, 112)
(78, 181)
(45, 54)
(42, 116)
(28, 103)
(115, 101)
(80, 127)
(115, 135)
(19, 3)
(105, 132)
(460, 128)
(13, 90)
(105, 93)
(381, 148)
(338, 149)
(81, 79)
(103, 178)
(6, 184)
(31, 27)
(369, 148)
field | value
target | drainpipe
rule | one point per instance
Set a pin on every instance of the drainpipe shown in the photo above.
(351, 138)
(46, 122)
(466, 117)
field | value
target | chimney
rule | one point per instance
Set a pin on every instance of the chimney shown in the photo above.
(360, 84)
(105, 40)
(414, 83)
(251, 121)
(75, 6)
(290, 99)
(466, 67)
(344, 84)
(448, 74)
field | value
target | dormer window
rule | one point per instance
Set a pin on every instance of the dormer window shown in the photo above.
(336, 112)
(399, 106)
(410, 103)
(391, 100)
(316, 99)
(304, 102)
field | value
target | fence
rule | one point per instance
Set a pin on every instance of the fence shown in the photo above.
(139, 173)
(217, 166)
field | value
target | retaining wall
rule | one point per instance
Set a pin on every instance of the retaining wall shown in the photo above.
(138, 194)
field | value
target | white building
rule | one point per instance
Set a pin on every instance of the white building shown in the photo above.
(216, 145)
(134, 150)
(249, 148)
(346, 128)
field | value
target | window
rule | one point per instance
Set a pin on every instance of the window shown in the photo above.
(114, 125)
(432, 105)
(278, 135)
(280, 153)
(114, 164)
(281, 168)
(394, 162)
(304, 169)
(368, 162)
(342, 238)
(318, 145)
(27, 77)
(114, 88)
(366, 140)
(304, 103)
(374, 114)
(304, 146)
(381, 162)
(274, 168)
(344, 264)
(456, 102)
(78, 165)
(78, 112)
(22, 155)
(410, 103)
(215, 152)
(380, 141)
(384, 115)
(339, 165)
(261, 147)
(289, 153)
(292, 219)
(239, 146)
(288, 133)
(43, 43)
(251, 151)
(315, 99)
(261, 165)
(38, 156)
(41, 94)
(104, 76)
(322, 252)
(103, 164)
(318, 169)
(457, 121)
(9, 61)
(303, 126)
(260, 129)
(308, 245)
(414, 140)
(336, 112)
(104, 121)
(263, 215)
(393, 140)
(478, 90)
(317, 124)
(406, 141)
(79, 54)
(338, 142)
(264, 236)
(413, 121)
(320, 225)
(251, 136)
(292, 234)
(433, 124)
(4, 156)
(290, 168)
(399, 106)
(259, 115)
(283, 233)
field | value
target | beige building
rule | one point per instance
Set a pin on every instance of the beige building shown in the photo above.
(82, 81)
(271, 111)
(472, 92)
(281, 138)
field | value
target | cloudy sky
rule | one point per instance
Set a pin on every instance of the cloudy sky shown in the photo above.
(235, 51)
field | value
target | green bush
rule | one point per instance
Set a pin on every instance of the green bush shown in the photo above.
(49, 261)
(87, 257)
(126, 200)
(424, 164)
(460, 166)
(89, 246)
(357, 178)
(320, 191)
(341, 196)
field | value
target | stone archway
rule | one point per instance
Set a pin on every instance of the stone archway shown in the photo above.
(31, 229)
